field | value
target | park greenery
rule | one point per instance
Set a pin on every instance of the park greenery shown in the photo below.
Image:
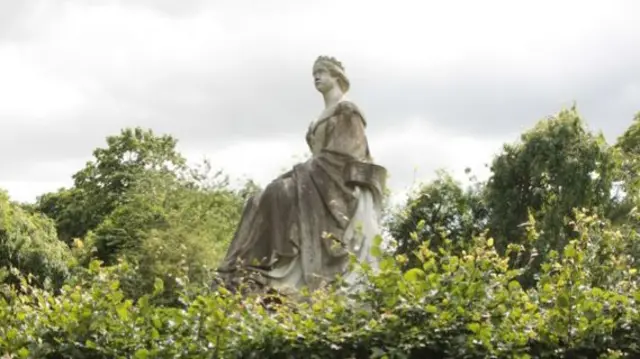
(540, 260)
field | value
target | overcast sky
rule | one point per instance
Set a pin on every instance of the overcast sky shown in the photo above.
(443, 83)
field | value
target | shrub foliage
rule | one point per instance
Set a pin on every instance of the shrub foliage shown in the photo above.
(462, 306)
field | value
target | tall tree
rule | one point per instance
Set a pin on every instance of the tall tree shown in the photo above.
(558, 166)
(170, 228)
(100, 186)
(629, 146)
(68, 208)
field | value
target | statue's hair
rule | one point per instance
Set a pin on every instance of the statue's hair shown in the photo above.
(336, 69)
(331, 60)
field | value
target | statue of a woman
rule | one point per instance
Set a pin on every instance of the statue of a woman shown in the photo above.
(300, 229)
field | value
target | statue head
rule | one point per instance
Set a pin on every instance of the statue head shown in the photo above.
(328, 73)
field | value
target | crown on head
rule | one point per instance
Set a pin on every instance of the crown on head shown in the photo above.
(331, 60)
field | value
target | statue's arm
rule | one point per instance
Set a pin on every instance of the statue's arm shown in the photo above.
(347, 133)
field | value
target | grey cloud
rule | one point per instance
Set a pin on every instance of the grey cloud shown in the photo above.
(24, 146)
(12, 19)
(208, 111)
(266, 100)
(182, 8)
(22, 19)
(491, 106)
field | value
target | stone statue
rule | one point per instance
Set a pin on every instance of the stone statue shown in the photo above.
(300, 229)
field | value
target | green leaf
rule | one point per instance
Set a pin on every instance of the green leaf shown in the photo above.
(23, 353)
(141, 354)
(474, 327)
(414, 274)
(157, 323)
(158, 286)
(122, 311)
(563, 300)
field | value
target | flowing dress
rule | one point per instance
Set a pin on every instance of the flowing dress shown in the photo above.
(300, 229)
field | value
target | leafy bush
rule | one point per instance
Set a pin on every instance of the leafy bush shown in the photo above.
(104, 182)
(169, 228)
(438, 210)
(461, 306)
(28, 243)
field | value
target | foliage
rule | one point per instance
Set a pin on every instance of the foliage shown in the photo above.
(629, 146)
(437, 211)
(102, 184)
(176, 229)
(463, 306)
(138, 201)
(29, 244)
(67, 207)
(558, 166)
(629, 142)
(169, 226)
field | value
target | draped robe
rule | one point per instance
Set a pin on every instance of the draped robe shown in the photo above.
(300, 229)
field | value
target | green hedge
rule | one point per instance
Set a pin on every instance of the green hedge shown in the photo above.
(465, 306)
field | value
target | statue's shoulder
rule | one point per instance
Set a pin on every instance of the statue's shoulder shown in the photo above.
(349, 108)
(346, 107)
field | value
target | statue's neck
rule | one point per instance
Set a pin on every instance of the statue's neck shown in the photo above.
(332, 97)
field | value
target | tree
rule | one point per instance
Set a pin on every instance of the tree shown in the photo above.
(440, 210)
(558, 166)
(28, 243)
(629, 146)
(101, 185)
(629, 142)
(169, 227)
(68, 208)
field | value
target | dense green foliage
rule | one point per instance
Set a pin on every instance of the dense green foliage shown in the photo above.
(437, 211)
(102, 185)
(557, 167)
(540, 260)
(462, 306)
(28, 243)
(629, 146)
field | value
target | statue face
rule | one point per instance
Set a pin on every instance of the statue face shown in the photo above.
(323, 80)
